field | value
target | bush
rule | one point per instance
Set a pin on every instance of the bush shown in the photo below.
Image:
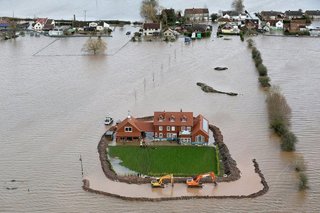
(303, 181)
(299, 164)
(262, 70)
(250, 43)
(257, 60)
(288, 141)
(264, 81)
(241, 36)
(279, 112)
(255, 53)
(279, 126)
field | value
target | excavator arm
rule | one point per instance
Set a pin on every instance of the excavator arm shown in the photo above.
(196, 181)
(159, 181)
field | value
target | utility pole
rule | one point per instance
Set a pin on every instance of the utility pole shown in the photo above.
(85, 15)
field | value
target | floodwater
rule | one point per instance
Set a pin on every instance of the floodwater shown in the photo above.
(53, 105)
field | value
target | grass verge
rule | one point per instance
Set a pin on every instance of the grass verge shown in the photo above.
(161, 160)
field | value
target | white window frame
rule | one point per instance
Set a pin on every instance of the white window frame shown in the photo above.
(189, 128)
(160, 128)
(168, 128)
(173, 128)
(128, 128)
(169, 135)
(160, 135)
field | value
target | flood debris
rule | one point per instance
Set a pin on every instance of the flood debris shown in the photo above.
(220, 68)
(12, 188)
(209, 89)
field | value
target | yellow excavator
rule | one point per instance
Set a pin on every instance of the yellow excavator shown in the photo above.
(195, 182)
(158, 183)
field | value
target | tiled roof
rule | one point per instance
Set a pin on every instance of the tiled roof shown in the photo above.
(293, 13)
(313, 12)
(151, 26)
(196, 11)
(145, 126)
(198, 125)
(230, 13)
(41, 20)
(173, 118)
(270, 13)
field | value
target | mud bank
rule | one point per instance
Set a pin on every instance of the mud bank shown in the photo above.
(229, 164)
(86, 187)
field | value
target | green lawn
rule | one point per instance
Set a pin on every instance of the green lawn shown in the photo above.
(160, 160)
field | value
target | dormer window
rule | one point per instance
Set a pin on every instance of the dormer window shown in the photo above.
(161, 118)
(172, 118)
(184, 118)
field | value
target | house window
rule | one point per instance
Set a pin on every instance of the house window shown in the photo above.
(160, 135)
(174, 135)
(173, 128)
(160, 128)
(199, 138)
(168, 128)
(155, 135)
(184, 119)
(128, 129)
(189, 128)
(172, 118)
(169, 135)
(183, 128)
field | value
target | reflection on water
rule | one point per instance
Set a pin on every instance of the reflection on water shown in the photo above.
(52, 109)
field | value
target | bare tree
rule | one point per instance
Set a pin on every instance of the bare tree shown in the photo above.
(238, 6)
(94, 46)
(149, 10)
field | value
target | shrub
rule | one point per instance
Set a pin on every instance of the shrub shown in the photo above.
(288, 141)
(241, 36)
(279, 126)
(257, 60)
(250, 43)
(303, 181)
(264, 81)
(255, 53)
(278, 108)
(299, 164)
(262, 70)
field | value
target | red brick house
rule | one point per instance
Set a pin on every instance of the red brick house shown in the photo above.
(132, 129)
(180, 126)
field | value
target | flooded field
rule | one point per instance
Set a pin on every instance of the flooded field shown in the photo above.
(53, 105)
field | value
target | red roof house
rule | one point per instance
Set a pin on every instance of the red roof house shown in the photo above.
(180, 126)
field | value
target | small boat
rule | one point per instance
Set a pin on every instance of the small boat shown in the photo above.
(128, 33)
(108, 121)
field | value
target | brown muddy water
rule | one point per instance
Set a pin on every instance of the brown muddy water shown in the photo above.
(53, 105)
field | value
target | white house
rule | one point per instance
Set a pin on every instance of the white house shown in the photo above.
(40, 22)
(197, 14)
(279, 25)
(150, 29)
(170, 34)
(100, 28)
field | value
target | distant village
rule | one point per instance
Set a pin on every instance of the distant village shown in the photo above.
(194, 23)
